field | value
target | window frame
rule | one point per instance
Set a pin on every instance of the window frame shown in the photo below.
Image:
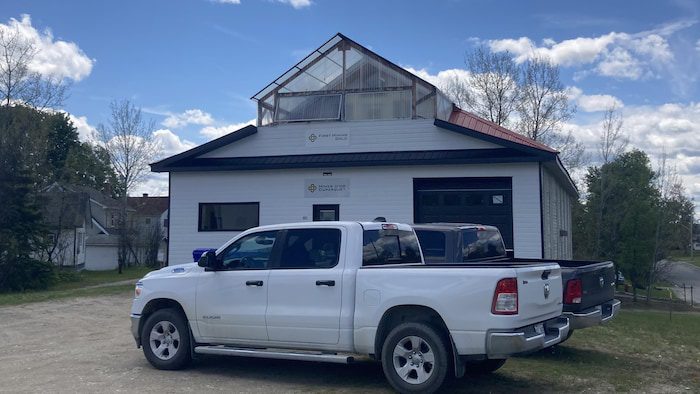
(274, 253)
(199, 215)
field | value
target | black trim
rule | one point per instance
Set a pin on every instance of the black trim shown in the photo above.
(316, 211)
(167, 250)
(199, 215)
(163, 165)
(539, 176)
(360, 159)
(543, 154)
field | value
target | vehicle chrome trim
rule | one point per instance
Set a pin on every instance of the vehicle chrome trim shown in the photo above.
(275, 354)
(526, 339)
(597, 315)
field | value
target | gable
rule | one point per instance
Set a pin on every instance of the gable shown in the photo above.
(346, 137)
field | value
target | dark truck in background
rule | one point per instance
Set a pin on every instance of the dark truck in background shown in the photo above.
(588, 286)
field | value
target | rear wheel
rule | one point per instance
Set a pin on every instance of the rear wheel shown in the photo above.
(165, 339)
(415, 358)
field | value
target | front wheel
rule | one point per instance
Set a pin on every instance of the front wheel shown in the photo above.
(415, 358)
(165, 339)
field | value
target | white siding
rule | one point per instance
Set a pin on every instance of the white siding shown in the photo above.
(556, 219)
(364, 136)
(377, 191)
(101, 258)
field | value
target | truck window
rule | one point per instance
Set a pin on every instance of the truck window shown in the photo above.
(432, 243)
(482, 244)
(311, 248)
(250, 252)
(390, 247)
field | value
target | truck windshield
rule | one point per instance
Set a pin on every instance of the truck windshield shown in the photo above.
(482, 244)
(390, 247)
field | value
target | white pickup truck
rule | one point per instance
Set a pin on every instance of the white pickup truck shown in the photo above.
(333, 291)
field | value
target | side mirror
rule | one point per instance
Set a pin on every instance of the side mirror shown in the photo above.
(208, 260)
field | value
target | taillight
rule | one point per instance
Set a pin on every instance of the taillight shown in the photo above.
(505, 297)
(573, 292)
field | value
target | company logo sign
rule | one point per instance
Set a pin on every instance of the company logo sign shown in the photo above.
(327, 138)
(327, 187)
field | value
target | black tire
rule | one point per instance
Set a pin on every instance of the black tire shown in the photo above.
(430, 342)
(171, 351)
(483, 367)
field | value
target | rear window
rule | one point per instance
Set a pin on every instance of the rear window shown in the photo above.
(432, 243)
(482, 244)
(390, 247)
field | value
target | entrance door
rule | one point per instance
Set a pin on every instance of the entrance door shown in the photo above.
(326, 212)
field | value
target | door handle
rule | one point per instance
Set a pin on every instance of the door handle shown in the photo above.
(325, 283)
(254, 283)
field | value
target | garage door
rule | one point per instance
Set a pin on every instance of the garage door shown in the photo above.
(465, 200)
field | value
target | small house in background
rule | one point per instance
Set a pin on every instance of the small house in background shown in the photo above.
(82, 224)
(150, 219)
(346, 134)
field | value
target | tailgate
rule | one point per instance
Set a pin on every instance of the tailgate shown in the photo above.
(539, 292)
(597, 282)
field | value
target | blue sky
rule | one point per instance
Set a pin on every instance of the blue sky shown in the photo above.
(193, 64)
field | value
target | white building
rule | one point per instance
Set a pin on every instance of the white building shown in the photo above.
(345, 134)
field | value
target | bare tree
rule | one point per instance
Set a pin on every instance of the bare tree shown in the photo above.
(613, 140)
(571, 151)
(128, 139)
(494, 81)
(18, 83)
(458, 90)
(544, 104)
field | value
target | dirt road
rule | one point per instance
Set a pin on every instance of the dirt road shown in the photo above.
(84, 345)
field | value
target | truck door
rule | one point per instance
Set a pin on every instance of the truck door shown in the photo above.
(231, 302)
(304, 296)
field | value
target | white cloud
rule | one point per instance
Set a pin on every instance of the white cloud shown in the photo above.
(54, 58)
(593, 102)
(227, 1)
(618, 55)
(170, 143)
(297, 4)
(86, 132)
(697, 46)
(191, 116)
(212, 132)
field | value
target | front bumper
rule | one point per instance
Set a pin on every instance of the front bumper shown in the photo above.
(526, 339)
(135, 323)
(595, 316)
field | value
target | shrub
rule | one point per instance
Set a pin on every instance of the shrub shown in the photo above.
(25, 273)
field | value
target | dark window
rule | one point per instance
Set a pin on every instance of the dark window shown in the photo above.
(250, 252)
(451, 199)
(432, 243)
(311, 248)
(481, 244)
(148, 220)
(228, 216)
(390, 247)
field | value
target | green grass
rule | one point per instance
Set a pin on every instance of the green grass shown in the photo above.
(695, 260)
(78, 284)
(638, 351)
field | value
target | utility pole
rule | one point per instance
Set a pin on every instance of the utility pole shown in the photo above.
(692, 223)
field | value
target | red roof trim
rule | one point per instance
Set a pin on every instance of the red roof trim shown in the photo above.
(463, 118)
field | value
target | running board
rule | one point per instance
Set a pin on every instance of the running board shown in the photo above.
(280, 355)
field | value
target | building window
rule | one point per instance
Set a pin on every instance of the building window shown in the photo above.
(228, 216)
(148, 220)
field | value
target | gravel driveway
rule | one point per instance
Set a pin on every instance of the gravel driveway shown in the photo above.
(84, 345)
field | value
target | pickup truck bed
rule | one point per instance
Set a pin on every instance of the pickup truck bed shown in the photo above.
(588, 286)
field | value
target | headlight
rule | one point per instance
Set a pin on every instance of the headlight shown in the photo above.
(137, 290)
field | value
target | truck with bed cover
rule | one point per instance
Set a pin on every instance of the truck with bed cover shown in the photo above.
(336, 291)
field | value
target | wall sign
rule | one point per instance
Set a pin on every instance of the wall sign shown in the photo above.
(326, 187)
(327, 138)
